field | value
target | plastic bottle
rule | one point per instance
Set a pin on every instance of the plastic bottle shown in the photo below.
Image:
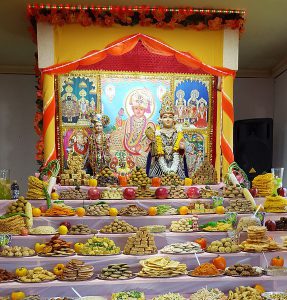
(15, 191)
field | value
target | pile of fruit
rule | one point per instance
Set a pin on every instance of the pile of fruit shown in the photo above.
(107, 178)
(171, 179)
(139, 178)
(112, 193)
(17, 206)
(225, 245)
(98, 209)
(99, 246)
(37, 274)
(118, 226)
(116, 272)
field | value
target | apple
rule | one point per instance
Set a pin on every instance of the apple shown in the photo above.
(282, 192)
(129, 194)
(270, 225)
(43, 208)
(193, 192)
(67, 224)
(253, 192)
(161, 193)
(94, 193)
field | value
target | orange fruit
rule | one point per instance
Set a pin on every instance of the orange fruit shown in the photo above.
(80, 211)
(113, 212)
(36, 212)
(259, 288)
(183, 210)
(220, 210)
(54, 196)
(152, 211)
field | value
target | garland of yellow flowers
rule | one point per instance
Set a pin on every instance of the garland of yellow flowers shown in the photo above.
(158, 141)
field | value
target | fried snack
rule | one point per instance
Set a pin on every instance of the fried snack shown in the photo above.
(241, 270)
(118, 226)
(98, 209)
(161, 267)
(59, 210)
(5, 275)
(57, 247)
(208, 294)
(16, 251)
(169, 296)
(205, 269)
(207, 193)
(225, 245)
(139, 178)
(12, 224)
(73, 194)
(182, 248)
(184, 225)
(132, 210)
(36, 188)
(116, 272)
(37, 274)
(43, 230)
(233, 191)
(100, 246)
(171, 179)
(144, 193)
(275, 204)
(264, 184)
(77, 270)
(240, 206)
(176, 192)
(244, 293)
(141, 243)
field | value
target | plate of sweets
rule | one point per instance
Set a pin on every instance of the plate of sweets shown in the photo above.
(6, 276)
(17, 251)
(37, 275)
(206, 270)
(243, 270)
(77, 270)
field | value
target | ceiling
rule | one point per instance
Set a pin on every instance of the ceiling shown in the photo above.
(263, 46)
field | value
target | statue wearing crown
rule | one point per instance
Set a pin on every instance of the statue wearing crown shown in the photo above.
(167, 143)
(99, 154)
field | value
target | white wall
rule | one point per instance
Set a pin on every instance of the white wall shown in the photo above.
(17, 136)
(280, 124)
(253, 98)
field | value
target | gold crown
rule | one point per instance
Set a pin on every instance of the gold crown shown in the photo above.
(167, 104)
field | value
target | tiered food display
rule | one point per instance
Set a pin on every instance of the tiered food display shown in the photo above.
(118, 226)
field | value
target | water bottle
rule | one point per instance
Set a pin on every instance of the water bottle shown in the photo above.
(15, 191)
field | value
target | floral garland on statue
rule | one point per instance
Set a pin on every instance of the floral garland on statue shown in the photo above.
(160, 152)
(164, 17)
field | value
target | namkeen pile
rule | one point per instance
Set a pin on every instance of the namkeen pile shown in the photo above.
(144, 193)
(112, 194)
(139, 178)
(57, 247)
(116, 272)
(244, 293)
(118, 226)
(205, 269)
(77, 270)
(59, 209)
(245, 222)
(37, 274)
(74, 194)
(100, 246)
(81, 229)
(205, 174)
(182, 248)
(240, 206)
(208, 294)
(264, 184)
(233, 191)
(225, 245)
(169, 296)
(36, 188)
(132, 210)
(140, 243)
(161, 267)
(184, 225)
(176, 192)
(207, 193)
(275, 204)
(258, 240)
(42, 230)
(16, 251)
(171, 179)
(12, 224)
(128, 295)
(98, 209)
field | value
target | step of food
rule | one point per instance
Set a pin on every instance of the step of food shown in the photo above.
(17, 206)
(208, 294)
(169, 296)
(57, 247)
(98, 209)
(77, 270)
(118, 226)
(116, 272)
(37, 274)
(233, 191)
(16, 251)
(182, 248)
(225, 245)
(171, 179)
(144, 193)
(240, 206)
(242, 270)
(73, 194)
(132, 211)
(107, 178)
(205, 270)
(258, 240)
(128, 295)
(139, 178)
(244, 293)
(176, 192)
(275, 204)
(6, 276)
(264, 184)
(184, 225)
(42, 230)
(141, 243)
(112, 194)
(81, 229)
(99, 246)
(161, 267)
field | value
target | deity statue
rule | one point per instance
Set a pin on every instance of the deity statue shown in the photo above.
(180, 106)
(99, 155)
(70, 109)
(167, 143)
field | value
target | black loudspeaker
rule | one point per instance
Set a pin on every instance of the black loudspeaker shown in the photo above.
(253, 145)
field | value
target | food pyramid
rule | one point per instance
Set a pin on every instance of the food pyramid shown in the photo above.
(205, 174)
(139, 178)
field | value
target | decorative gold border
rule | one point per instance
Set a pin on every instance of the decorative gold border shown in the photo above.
(172, 77)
